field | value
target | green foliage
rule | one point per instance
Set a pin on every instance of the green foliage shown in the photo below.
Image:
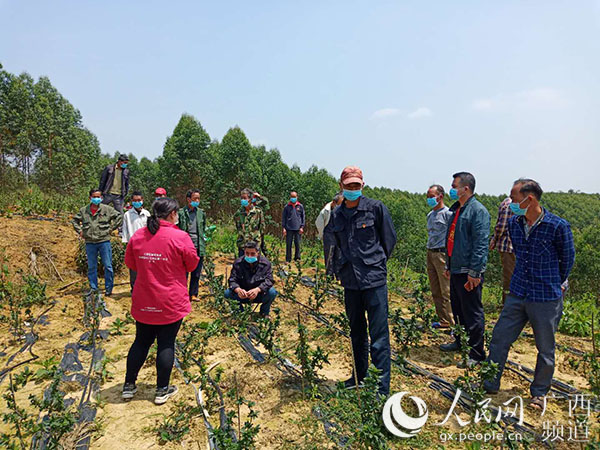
(577, 315)
(118, 327)
(310, 360)
(267, 331)
(177, 424)
(473, 377)
(355, 416)
(118, 257)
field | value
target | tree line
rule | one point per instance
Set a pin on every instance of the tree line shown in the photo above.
(43, 142)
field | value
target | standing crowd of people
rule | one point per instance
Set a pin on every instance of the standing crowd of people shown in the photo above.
(165, 249)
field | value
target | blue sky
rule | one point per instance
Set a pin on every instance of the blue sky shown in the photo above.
(410, 91)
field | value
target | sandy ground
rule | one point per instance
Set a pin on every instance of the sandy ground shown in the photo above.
(279, 401)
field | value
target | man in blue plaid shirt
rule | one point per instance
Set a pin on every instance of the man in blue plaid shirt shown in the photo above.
(543, 244)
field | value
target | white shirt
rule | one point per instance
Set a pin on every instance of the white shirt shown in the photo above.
(133, 221)
(323, 219)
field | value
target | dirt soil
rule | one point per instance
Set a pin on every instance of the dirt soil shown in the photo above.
(282, 411)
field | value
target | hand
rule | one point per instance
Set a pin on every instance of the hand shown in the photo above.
(81, 234)
(284, 232)
(241, 293)
(301, 230)
(256, 194)
(492, 244)
(447, 274)
(253, 293)
(472, 283)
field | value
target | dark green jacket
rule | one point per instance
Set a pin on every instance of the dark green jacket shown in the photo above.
(470, 253)
(97, 227)
(184, 224)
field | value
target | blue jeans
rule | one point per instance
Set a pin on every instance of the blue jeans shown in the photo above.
(264, 299)
(104, 249)
(544, 318)
(373, 302)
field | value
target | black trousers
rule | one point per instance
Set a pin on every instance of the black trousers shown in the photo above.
(292, 236)
(372, 303)
(330, 252)
(468, 311)
(144, 338)
(195, 278)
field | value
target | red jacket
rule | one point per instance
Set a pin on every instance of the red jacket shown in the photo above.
(162, 260)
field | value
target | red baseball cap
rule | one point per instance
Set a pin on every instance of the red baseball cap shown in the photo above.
(160, 191)
(351, 174)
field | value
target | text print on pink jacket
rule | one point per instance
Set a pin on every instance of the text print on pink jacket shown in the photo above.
(162, 260)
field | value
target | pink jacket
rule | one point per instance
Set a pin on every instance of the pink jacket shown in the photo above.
(162, 260)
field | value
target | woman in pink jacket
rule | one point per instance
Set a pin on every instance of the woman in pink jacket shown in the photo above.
(161, 254)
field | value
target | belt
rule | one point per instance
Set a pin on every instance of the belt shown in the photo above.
(437, 250)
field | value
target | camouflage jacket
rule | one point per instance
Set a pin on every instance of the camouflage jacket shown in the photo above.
(250, 226)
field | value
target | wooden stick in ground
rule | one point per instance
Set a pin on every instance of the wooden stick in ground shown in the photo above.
(237, 400)
(405, 268)
(355, 374)
(302, 377)
(54, 267)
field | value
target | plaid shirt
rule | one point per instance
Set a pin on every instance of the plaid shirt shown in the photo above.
(544, 259)
(501, 239)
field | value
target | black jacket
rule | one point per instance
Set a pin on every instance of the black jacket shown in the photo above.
(108, 176)
(292, 217)
(249, 276)
(366, 237)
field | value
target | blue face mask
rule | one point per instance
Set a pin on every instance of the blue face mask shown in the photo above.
(96, 200)
(244, 202)
(352, 195)
(432, 202)
(194, 204)
(453, 194)
(251, 259)
(124, 166)
(137, 205)
(293, 199)
(254, 200)
(517, 210)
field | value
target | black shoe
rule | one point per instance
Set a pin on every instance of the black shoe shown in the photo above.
(350, 383)
(129, 390)
(450, 347)
(163, 394)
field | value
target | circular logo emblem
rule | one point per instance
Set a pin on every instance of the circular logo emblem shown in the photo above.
(393, 414)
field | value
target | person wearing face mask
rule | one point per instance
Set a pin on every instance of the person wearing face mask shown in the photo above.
(134, 219)
(365, 236)
(466, 260)
(94, 223)
(114, 183)
(249, 221)
(293, 221)
(438, 220)
(161, 255)
(251, 279)
(192, 220)
(545, 254)
(501, 241)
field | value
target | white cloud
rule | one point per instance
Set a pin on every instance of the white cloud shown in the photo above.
(420, 113)
(384, 113)
(538, 98)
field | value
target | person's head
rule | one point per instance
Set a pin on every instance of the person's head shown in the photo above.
(245, 197)
(137, 199)
(524, 194)
(193, 198)
(435, 195)
(160, 193)
(463, 185)
(351, 183)
(293, 196)
(251, 252)
(123, 161)
(162, 209)
(95, 196)
(337, 199)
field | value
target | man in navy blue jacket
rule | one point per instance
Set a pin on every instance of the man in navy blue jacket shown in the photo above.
(545, 253)
(292, 221)
(365, 235)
